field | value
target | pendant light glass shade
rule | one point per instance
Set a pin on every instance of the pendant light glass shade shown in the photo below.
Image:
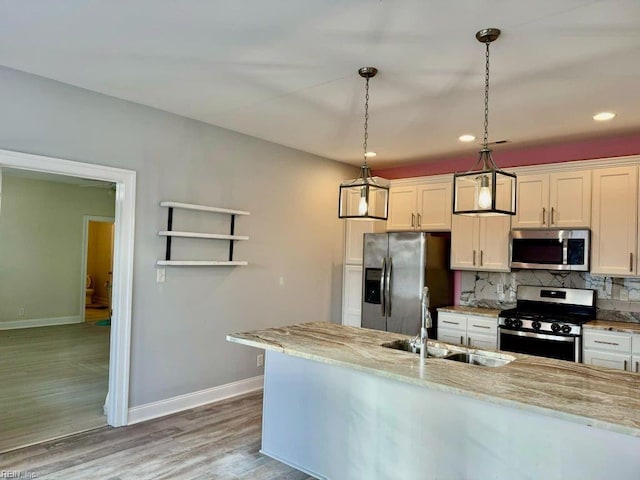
(365, 197)
(485, 189)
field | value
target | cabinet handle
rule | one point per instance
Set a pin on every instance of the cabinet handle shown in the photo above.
(481, 254)
(544, 216)
(552, 220)
(474, 257)
(450, 323)
(468, 341)
(637, 367)
(419, 220)
(461, 340)
(606, 343)
(625, 365)
(631, 262)
(413, 219)
(481, 326)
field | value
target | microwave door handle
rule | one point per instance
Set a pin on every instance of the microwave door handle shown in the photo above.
(565, 251)
(382, 287)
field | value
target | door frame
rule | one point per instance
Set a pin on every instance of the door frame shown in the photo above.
(85, 249)
(120, 345)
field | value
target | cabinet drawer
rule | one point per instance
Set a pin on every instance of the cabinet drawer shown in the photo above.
(450, 321)
(610, 341)
(482, 325)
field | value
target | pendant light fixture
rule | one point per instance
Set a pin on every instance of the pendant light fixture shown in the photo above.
(365, 197)
(485, 189)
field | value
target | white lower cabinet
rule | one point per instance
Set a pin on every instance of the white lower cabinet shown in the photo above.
(608, 349)
(470, 330)
(352, 295)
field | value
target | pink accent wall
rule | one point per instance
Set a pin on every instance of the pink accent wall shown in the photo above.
(613, 146)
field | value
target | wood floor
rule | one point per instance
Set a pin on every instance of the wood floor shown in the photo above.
(54, 382)
(218, 441)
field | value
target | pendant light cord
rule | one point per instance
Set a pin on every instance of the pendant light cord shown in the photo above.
(366, 120)
(486, 99)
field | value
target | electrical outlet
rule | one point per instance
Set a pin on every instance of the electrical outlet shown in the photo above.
(260, 359)
(21, 312)
(160, 275)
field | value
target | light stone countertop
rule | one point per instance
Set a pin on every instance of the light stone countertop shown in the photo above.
(483, 312)
(626, 327)
(593, 396)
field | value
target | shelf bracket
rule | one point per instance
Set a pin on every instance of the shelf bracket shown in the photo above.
(167, 255)
(233, 226)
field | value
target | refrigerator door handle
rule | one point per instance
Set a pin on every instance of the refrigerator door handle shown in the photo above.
(383, 297)
(389, 279)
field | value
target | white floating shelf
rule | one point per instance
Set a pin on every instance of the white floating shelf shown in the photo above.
(215, 236)
(201, 263)
(203, 208)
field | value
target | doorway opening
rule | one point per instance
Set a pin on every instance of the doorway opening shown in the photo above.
(124, 180)
(97, 272)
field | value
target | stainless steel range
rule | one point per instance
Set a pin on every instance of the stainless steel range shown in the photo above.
(547, 322)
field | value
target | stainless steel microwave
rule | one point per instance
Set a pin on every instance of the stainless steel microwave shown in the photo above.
(550, 249)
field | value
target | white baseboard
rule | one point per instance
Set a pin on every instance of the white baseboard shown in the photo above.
(39, 322)
(161, 408)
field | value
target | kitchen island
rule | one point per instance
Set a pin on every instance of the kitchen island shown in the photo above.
(337, 404)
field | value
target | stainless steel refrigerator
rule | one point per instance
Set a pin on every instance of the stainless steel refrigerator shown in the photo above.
(396, 266)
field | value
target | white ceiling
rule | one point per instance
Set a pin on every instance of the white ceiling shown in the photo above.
(286, 70)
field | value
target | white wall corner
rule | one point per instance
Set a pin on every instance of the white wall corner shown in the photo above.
(177, 404)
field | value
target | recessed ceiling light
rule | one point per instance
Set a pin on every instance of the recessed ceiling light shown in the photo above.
(370, 154)
(466, 138)
(604, 116)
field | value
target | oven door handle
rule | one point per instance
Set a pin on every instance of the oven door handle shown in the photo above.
(555, 338)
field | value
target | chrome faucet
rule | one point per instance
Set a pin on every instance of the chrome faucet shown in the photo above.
(426, 322)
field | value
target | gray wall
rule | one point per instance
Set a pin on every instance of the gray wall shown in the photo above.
(41, 226)
(179, 327)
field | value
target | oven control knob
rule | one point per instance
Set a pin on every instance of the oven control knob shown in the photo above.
(555, 327)
(508, 322)
(566, 329)
(536, 325)
(517, 323)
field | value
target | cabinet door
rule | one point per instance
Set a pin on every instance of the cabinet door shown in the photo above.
(635, 344)
(434, 206)
(353, 242)
(616, 361)
(494, 243)
(614, 213)
(635, 363)
(476, 340)
(531, 201)
(570, 199)
(465, 234)
(402, 208)
(456, 337)
(352, 295)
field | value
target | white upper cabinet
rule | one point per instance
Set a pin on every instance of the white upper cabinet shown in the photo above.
(479, 243)
(402, 208)
(556, 200)
(423, 207)
(614, 221)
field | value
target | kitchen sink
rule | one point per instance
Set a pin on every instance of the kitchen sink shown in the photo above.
(479, 359)
(474, 357)
(409, 346)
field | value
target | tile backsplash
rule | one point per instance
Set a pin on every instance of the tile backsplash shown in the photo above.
(618, 298)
